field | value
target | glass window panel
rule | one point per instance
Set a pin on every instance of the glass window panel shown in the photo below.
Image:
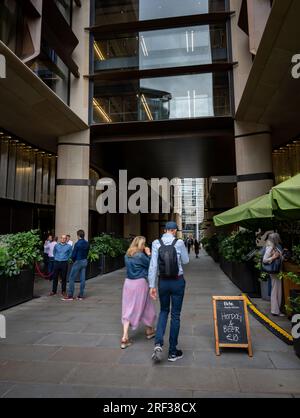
(45, 186)
(52, 180)
(11, 171)
(3, 166)
(162, 98)
(117, 11)
(38, 178)
(31, 176)
(196, 45)
(26, 173)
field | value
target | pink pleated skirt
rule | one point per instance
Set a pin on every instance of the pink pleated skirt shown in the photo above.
(137, 306)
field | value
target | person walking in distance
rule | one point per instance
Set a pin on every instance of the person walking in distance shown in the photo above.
(168, 256)
(61, 253)
(197, 247)
(79, 258)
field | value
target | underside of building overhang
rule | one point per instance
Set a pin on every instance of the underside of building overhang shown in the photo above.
(271, 96)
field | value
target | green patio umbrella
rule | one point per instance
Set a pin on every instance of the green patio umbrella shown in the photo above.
(258, 209)
(282, 203)
(287, 197)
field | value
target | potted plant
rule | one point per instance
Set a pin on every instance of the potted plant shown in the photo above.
(291, 275)
(235, 249)
(18, 255)
(294, 309)
(108, 252)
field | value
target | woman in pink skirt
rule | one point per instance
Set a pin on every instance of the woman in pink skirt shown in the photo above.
(137, 306)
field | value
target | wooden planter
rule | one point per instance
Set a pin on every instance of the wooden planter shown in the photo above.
(288, 285)
(16, 290)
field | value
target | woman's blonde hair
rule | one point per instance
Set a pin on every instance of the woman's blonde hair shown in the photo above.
(136, 246)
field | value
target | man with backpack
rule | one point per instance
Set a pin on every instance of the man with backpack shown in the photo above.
(168, 256)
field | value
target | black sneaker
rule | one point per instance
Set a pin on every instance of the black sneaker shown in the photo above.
(157, 354)
(175, 357)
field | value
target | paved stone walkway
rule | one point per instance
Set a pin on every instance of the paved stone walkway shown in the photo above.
(71, 349)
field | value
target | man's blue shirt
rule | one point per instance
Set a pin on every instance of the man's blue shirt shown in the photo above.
(182, 256)
(62, 252)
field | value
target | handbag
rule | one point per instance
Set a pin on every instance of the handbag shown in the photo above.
(274, 267)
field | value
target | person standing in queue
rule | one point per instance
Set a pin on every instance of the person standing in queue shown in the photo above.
(61, 253)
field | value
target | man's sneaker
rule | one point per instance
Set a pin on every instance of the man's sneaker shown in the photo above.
(175, 357)
(68, 298)
(52, 294)
(157, 354)
(80, 297)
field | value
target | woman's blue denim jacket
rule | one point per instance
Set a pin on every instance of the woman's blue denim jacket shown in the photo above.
(137, 266)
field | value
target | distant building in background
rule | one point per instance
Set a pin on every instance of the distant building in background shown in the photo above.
(192, 206)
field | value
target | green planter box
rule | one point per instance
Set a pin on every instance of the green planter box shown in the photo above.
(16, 290)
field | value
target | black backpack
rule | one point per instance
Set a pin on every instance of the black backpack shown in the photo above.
(167, 261)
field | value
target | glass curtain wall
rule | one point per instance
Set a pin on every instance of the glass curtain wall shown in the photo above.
(114, 11)
(176, 47)
(27, 174)
(162, 98)
(286, 162)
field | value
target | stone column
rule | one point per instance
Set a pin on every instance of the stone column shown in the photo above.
(72, 191)
(253, 147)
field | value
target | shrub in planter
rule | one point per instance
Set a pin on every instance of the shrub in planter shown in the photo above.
(107, 250)
(18, 254)
(19, 251)
(234, 249)
(294, 309)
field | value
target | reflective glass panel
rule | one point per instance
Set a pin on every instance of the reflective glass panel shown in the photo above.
(176, 47)
(163, 98)
(117, 11)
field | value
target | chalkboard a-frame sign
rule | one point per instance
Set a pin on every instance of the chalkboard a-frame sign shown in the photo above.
(231, 321)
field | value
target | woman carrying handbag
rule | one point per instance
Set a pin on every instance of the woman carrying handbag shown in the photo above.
(272, 264)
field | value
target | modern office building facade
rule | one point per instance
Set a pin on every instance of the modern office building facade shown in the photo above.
(161, 88)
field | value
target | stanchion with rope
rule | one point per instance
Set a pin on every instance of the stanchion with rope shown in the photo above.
(41, 274)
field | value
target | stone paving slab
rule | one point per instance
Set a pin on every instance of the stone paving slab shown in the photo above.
(51, 391)
(191, 378)
(59, 349)
(269, 381)
(34, 372)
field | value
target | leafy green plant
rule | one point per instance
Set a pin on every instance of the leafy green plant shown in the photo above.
(257, 264)
(295, 278)
(107, 245)
(18, 251)
(296, 254)
(294, 307)
(237, 246)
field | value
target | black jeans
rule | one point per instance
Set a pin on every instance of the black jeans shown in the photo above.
(60, 267)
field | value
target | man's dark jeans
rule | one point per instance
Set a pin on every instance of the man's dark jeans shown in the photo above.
(171, 293)
(60, 267)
